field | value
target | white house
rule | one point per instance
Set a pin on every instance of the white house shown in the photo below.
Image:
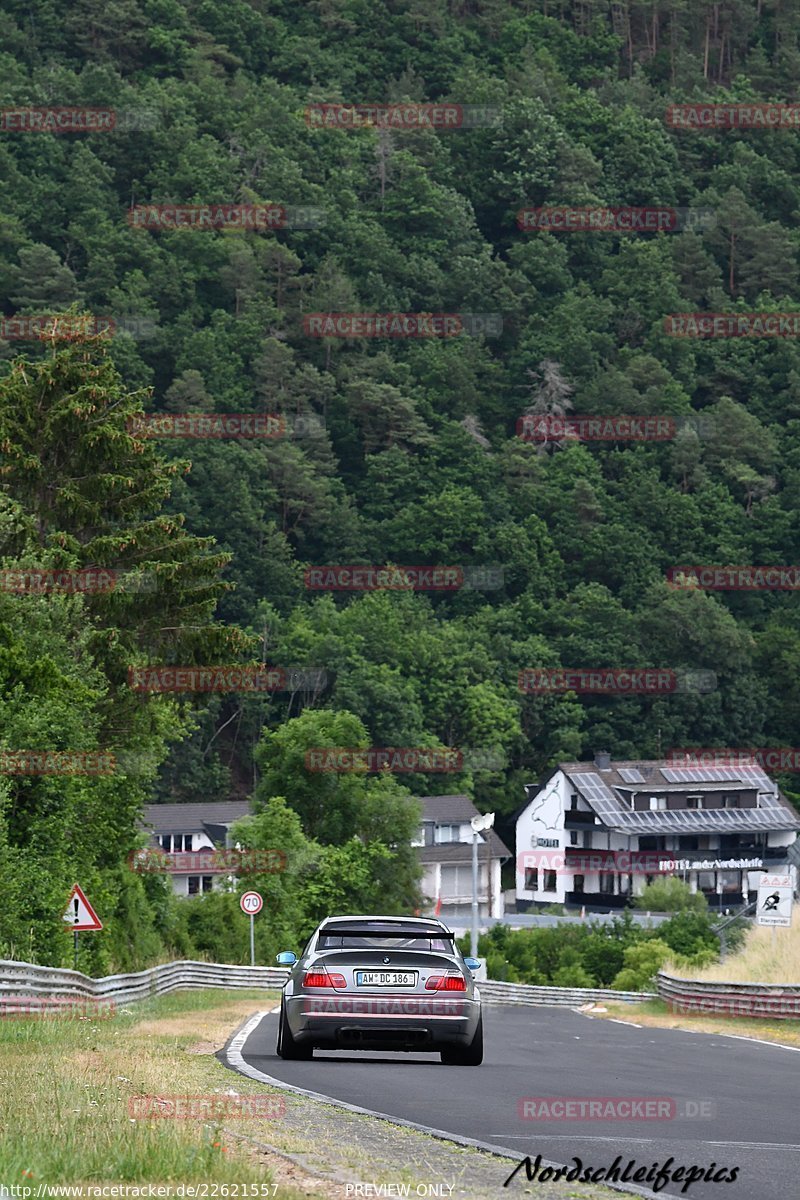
(192, 832)
(594, 833)
(445, 841)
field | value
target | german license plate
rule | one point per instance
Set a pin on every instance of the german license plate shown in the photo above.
(386, 978)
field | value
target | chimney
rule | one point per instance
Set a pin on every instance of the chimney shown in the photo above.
(602, 760)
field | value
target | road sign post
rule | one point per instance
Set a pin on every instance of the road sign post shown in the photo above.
(774, 905)
(252, 903)
(79, 914)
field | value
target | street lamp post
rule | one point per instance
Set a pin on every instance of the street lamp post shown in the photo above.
(479, 824)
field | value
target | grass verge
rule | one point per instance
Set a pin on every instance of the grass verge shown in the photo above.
(656, 1013)
(767, 956)
(67, 1083)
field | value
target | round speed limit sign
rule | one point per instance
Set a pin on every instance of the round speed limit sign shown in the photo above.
(251, 903)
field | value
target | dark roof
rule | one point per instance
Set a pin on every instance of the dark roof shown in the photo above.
(456, 809)
(462, 851)
(193, 817)
(446, 810)
(608, 794)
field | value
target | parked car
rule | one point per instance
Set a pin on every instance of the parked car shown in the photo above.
(381, 983)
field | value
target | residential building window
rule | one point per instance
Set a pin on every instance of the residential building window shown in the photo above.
(573, 802)
(198, 883)
(549, 881)
(176, 843)
(694, 801)
(587, 841)
(658, 803)
(730, 801)
(688, 843)
(707, 881)
(531, 879)
(456, 882)
(573, 837)
(447, 833)
(577, 886)
(607, 883)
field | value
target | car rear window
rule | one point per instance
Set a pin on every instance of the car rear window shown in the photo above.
(369, 940)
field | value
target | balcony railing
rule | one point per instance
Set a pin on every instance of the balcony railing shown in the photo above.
(575, 816)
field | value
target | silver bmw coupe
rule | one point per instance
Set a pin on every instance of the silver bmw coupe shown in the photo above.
(381, 983)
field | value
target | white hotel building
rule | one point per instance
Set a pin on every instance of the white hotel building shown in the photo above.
(596, 832)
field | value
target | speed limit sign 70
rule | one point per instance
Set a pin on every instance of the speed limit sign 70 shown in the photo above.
(251, 903)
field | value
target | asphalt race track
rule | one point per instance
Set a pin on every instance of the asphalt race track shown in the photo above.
(750, 1118)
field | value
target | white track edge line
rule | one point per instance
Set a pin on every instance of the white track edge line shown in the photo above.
(232, 1055)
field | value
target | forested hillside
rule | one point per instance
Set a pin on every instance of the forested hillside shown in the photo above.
(403, 450)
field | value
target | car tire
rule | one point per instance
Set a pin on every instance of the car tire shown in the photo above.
(466, 1056)
(287, 1047)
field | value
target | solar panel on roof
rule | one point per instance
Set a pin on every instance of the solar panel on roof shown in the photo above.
(703, 774)
(631, 775)
(707, 820)
(598, 793)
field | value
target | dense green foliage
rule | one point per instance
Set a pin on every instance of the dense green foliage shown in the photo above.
(416, 460)
(620, 954)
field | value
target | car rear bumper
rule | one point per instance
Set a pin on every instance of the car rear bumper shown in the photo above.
(383, 1022)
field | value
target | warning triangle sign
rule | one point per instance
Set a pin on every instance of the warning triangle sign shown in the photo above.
(79, 913)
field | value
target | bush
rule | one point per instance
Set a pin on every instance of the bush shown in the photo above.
(690, 933)
(670, 894)
(642, 961)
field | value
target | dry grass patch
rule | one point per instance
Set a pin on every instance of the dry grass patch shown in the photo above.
(767, 956)
(67, 1083)
(656, 1014)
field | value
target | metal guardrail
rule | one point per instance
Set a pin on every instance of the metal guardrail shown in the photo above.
(526, 993)
(781, 1000)
(20, 981)
(26, 985)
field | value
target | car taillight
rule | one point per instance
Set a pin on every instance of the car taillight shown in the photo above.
(323, 979)
(446, 983)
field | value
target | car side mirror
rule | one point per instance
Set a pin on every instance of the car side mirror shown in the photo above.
(286, 958)
(474, 964)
